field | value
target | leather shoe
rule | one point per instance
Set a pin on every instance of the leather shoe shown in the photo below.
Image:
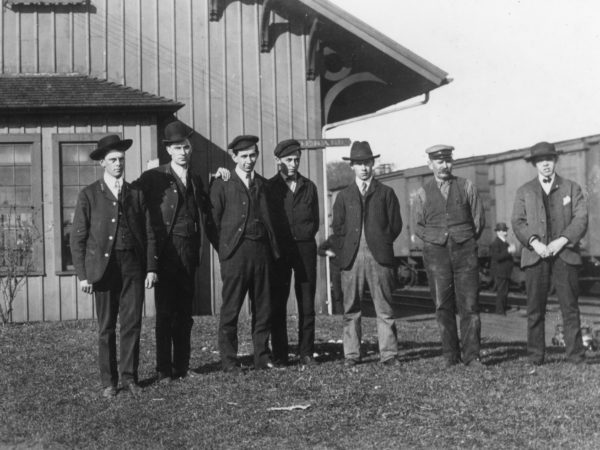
(234, 370)
(163, 379)
(350, 362)
(391, 362)
(475, 364)
(308, 361)
(109, 392)
(134, 389)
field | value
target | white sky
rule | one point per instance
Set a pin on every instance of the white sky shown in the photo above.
(523, 71)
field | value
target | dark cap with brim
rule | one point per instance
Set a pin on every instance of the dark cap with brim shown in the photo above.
(176, 131)
(501, 226)
(542, 150)
(108, 143)
(440, 151)
(287, 147)
(242, 142)
(360, 151)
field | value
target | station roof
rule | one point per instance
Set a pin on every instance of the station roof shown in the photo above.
(69, 93)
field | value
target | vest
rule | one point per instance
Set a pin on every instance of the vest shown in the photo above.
(255, 229)
(123, 240)
(186, 217)
(449, 217)
(548, 199)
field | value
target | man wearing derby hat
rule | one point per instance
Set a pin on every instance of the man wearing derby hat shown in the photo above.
(114, 251)
(179, 208)
(366, 221)
(549, 218)
(294, 204)
(449, 217)
(501, 256)
(247, 247)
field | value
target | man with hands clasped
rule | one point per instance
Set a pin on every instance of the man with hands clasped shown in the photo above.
(549, 218)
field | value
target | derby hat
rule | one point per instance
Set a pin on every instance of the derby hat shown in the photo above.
(501, 226)
(439, 151)
(287, 147)
(541, 150)
(360, 151)
(108, 143)
(176, 131)
(242, 142)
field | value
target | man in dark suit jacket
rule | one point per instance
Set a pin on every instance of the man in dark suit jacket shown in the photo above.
(549, 218)
(179, 208)
(294, 204)
(113, 250)
(247, 246)
(366, 221)
(501, 256)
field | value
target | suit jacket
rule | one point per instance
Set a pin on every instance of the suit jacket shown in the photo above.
(95, 224)
(230, 205)
(502, 260)
(569, 217)
(162, 195)
(382, 223)
(301, 221)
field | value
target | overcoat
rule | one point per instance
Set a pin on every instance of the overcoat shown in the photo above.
(568, 215)
(382, 223)
(501, 259)
(95, 226)
(230, 201)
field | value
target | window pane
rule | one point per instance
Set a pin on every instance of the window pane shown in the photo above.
(7, 196)
(69, 154)
(7, 175)
(70, 176)
(7, 154)
(23, 175)
(23, 154)
(84, 153)
(23, 195)
(69, 196)
(67, 225)
(87, 175)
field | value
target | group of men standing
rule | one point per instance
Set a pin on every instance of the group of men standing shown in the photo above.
(151, 233)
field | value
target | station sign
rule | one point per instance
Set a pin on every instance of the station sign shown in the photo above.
(322, 143)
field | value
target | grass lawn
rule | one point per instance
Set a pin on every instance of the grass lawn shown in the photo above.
(50, 396)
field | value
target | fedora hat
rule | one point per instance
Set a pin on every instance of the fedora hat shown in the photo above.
(501, 226)
(541, 150)
(360, 151)
(176, 131)
(108, 143)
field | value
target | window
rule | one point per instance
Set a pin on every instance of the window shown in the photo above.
(20, 203)
(75, 170)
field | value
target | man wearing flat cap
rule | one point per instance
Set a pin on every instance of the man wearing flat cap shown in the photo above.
(114, 252)
(449, 218)
(294, 204)
(247, 247)
(550, 217)
(366, 221)
(501, 256)
(180, 210)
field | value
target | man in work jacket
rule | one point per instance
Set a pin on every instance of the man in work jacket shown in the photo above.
(550, 217)
(179, 209)
(294, 204)
(114, 254)
(449, 218)
(366, 221)
(247, 247)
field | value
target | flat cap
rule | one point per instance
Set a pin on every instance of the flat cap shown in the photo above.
(242, 142)
(439, 151)
(108, 143)
(287, 147)
(501, 226)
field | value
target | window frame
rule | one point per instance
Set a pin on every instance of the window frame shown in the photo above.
(57, 140)
(36, 191)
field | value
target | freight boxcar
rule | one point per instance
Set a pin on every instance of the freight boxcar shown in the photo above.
(497, 177)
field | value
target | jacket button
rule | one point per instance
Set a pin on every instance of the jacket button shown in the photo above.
(239, 229)
(172, 206)
(243, 215)
(114, 203)
(112, 220)
(106, 254)
(110, 238)
(243, 203)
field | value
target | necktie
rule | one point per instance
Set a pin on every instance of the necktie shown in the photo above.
(547, 180)
(118, 187)
(363, 188)
(249, 180)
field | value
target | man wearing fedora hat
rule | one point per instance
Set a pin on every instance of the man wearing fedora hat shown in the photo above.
(449, 218)
(366, 221)
(549, 218)
(247, 247)
(294, 204)
(501, 256)
(114, 252)
(180, 210)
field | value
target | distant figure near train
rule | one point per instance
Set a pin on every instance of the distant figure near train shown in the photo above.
(449, 217)
(501, 256)
(549, 218)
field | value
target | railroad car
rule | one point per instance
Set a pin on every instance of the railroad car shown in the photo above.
(497, 177)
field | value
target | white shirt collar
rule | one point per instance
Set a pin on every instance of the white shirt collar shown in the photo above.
(243, 175)
(179, 171)
(360, 182)
(110, 183)
(547, 186)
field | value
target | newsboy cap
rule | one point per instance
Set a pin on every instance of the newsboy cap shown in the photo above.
(287, 147)
(542, 150)
(501, 226)
(242, 142)
(176, 131)
(108, 143)
(439, 151)
(360, 151)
